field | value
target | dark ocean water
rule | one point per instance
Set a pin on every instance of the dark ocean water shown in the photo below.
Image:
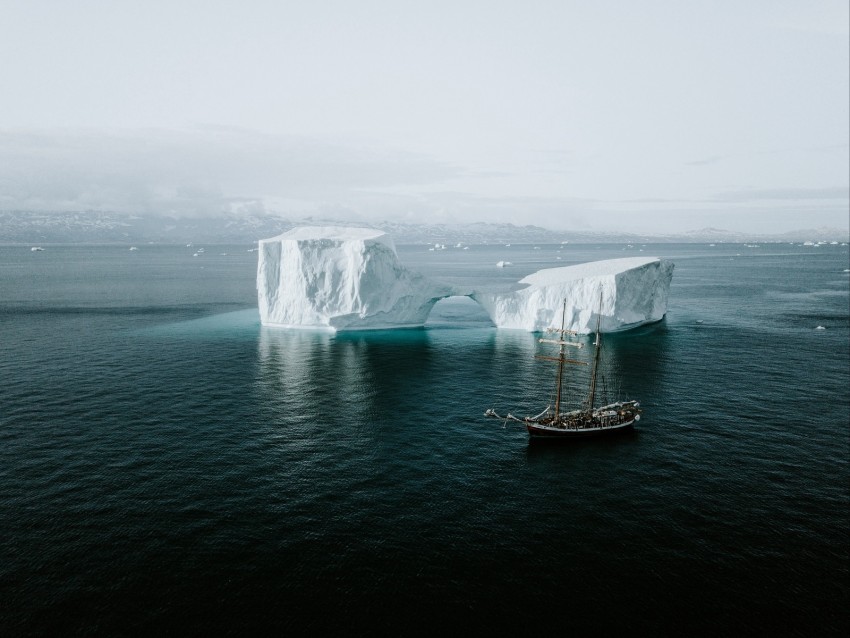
(168, 466)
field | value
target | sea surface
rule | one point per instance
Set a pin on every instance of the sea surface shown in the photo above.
(170, 467)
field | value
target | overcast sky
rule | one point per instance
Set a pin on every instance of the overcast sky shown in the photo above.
(650, 116)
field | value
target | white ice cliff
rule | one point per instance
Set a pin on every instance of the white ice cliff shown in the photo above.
(633, 292)
(340, 278)
(351, 279)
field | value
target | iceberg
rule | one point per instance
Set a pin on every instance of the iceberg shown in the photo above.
(627, 292)
(340, 278)
(343, 278)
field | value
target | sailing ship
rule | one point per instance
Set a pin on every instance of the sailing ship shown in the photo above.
(588, 420)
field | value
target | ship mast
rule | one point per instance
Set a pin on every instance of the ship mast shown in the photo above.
(561, 359)
(597, 343)
(562, 345)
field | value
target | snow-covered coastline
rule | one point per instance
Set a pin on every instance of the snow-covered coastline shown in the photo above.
(91, 227)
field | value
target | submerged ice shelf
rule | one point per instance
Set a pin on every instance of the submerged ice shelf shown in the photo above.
(344, 278)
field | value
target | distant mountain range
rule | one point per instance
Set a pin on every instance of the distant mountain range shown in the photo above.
(24, 227)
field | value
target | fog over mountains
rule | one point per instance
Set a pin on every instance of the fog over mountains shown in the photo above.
(25, 227)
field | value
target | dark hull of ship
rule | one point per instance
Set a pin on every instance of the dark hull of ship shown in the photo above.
(547, 432)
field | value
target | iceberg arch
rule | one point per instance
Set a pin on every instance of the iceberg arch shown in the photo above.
(342, 278)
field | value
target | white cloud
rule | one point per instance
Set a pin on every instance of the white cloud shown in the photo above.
(535, 111)
(193, 172)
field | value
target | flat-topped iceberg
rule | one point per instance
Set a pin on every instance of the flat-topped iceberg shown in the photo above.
(340, 278)
(633, 292)
(351, 279)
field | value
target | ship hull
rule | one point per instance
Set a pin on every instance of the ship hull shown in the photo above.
(539, 431)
